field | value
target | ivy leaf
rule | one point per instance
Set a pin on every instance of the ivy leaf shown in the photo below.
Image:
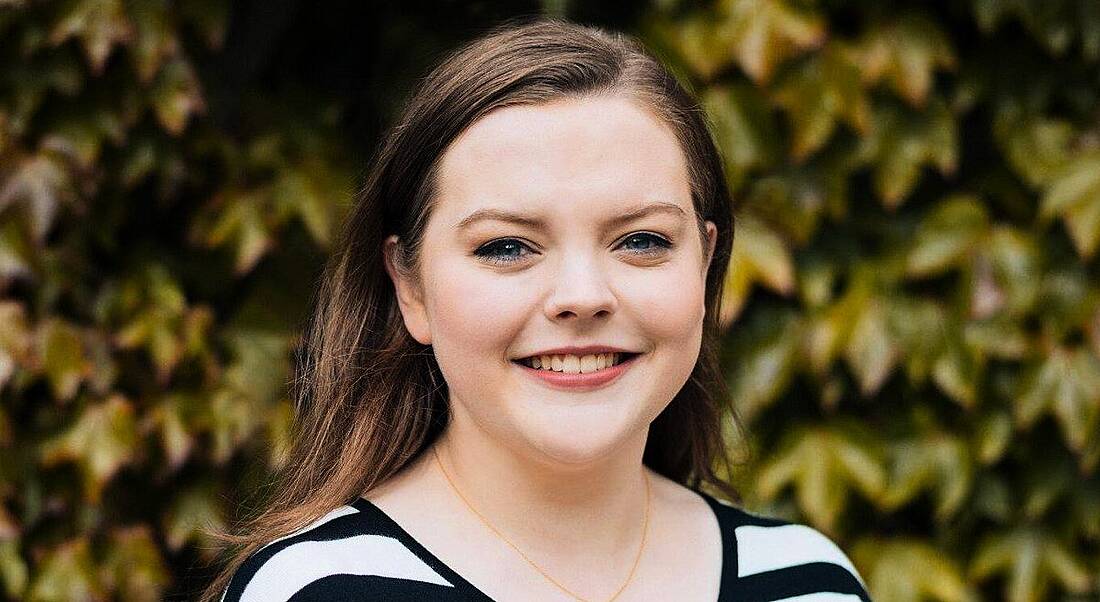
(1036, 147)
(947, 235)
(900, 144)
(935, 461)
(824, 89)
(42, 183)
(759, 255)
(13, 568)
(871, 351)
(190, 514)
(176, 95)
(823, 463)
(743, 127)
(160, 320)
(62, 355)
(1005, 274)
(764, 33)
(173, 417)
(15, 339)
(767, 352)
(103, 439)
(1030, 557)
(66, 573)
(1074, 194)
(100, 25)
(280, 423)
(992, 436)
(155, 38)
(133, 567)
(1067, 384)
(303, 191)
(910, 570)
(238, 216)
(906, 53)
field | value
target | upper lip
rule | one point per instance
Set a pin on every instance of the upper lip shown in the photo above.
(579, 351)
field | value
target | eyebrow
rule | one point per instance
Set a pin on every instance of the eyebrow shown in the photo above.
(625, 217)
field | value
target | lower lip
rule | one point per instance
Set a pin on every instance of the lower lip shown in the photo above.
(590, 380)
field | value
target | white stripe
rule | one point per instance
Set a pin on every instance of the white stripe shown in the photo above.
(822, 597)
(300, 564)
(761, 549)
(336, 513)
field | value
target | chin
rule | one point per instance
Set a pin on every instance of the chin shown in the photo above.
(579, 442)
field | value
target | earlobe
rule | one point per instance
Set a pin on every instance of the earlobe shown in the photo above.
(409, 298)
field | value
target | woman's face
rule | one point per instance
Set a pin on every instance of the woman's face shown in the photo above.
(569, 270)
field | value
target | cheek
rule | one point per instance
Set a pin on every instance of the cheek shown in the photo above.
(474, 314)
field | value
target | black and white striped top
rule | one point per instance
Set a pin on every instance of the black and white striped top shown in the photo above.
(358, 553)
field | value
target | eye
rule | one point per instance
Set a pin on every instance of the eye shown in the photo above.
(650, 244)
(502, 251)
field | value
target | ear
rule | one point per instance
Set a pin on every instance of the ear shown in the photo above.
(410, 298)
(712, 240)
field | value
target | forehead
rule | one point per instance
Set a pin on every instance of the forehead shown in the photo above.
(602, 151)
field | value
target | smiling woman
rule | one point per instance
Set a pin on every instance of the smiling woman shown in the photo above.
(511, 390)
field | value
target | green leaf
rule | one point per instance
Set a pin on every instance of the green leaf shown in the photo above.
(100, 25)
(823, 464)
(13, 569)
(238, 217)
(62, 354)
(910, 570)
(42, 183)
(871, 351)
(133, 566)
(947, 235)
(1030, 557)
(66, 573)
(102, 440)
(764, 33)
(743, 127)
(759, 255)
(15, 339)
(1074, 194)
(195, 510)
(900, 143)
(155, 40)
(767, 352)
(176, 96)
(992, 436)
(820, 92)
(906, 53)
(1066, 384)
(937, 462)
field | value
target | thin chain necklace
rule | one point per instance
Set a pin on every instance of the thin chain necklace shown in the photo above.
(645, 526)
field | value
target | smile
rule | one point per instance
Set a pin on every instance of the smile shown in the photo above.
(573, 372)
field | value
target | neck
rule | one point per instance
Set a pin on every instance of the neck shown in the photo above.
(549, 509)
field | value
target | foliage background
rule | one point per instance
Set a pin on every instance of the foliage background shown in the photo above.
(913, 310)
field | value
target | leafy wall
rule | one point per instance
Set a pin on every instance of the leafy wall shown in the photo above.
(913, 308)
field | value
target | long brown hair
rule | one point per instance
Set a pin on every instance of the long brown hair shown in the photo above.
(370, 398)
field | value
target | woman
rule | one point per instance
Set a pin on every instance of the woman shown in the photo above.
(511, 390)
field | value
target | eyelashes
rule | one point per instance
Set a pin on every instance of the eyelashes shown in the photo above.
(506, 251)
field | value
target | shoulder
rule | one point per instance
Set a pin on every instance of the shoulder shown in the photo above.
(349, 549)
(778, 559)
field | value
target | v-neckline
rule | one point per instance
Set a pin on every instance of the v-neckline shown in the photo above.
(726, 577)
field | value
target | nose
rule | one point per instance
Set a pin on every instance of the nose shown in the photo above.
(581, 291)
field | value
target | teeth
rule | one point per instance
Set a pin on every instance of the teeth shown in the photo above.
(573, 364)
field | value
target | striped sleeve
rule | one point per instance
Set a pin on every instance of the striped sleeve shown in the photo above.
(334, 558)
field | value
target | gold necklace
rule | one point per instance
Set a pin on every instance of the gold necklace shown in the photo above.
(645, 526)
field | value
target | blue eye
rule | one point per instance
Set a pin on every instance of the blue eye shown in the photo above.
(657, 243)
(509, 250)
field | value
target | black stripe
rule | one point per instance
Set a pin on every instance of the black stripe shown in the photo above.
(809, 578)
(360, 588)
